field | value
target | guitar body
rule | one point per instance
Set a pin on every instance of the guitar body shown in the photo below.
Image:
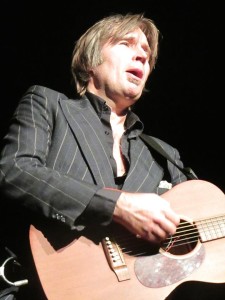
(81, 271)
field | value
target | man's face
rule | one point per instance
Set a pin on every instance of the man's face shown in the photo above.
(124, 71)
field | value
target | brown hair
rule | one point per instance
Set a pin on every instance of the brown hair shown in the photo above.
(87, 50)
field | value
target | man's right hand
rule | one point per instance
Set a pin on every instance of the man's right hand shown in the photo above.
(146, 215)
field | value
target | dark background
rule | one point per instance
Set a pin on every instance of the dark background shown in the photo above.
(185, 103)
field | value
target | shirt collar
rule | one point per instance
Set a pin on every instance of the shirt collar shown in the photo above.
(100, 106)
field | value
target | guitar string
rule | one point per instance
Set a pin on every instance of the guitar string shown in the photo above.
(188, 233)
(204, 226)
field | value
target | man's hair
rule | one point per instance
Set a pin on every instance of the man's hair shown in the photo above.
(87, 50)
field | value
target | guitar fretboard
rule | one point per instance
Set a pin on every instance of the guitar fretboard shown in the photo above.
(211, 229)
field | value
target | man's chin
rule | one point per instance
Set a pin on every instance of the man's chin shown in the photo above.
(134, 95)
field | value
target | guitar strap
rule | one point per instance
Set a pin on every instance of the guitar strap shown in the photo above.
(150, 141)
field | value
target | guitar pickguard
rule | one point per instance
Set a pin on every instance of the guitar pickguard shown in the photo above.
(160, 270)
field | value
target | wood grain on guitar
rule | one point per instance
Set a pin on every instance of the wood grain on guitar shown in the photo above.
(81, 271)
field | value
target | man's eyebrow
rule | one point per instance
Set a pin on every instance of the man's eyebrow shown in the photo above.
(130, 36)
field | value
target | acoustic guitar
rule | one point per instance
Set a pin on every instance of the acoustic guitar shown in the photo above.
(123, 266)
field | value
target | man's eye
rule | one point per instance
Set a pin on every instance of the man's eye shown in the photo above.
(126, 43)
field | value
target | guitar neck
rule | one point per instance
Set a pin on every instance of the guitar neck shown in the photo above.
(212, 228)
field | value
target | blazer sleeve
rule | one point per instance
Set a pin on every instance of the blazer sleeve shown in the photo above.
(25, 176)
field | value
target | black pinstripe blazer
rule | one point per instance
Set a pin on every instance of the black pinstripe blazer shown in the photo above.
(54, 157)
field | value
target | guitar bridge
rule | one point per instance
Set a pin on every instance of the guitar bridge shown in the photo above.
(115, 258)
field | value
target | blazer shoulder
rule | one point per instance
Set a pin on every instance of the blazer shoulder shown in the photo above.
(163, 144)
(44, 91)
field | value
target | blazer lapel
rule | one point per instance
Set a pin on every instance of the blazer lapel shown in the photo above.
(88, 132)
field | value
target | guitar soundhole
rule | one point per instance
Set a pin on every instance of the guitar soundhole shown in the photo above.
(183, 241)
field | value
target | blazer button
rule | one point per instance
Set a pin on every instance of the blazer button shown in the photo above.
(63, 219)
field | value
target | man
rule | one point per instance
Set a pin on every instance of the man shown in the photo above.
(82, 162)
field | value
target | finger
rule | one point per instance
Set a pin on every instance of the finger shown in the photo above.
(169, 227)
(155, 235)
(172, 216)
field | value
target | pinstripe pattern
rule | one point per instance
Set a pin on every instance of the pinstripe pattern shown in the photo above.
(55, 159)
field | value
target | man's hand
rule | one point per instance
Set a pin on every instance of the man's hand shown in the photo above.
(147, 215)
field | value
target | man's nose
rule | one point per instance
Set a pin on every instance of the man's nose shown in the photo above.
(141, 55)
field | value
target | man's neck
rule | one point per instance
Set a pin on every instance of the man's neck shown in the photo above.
(117, 120)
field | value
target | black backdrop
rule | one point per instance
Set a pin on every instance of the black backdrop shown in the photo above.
(186, 90)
